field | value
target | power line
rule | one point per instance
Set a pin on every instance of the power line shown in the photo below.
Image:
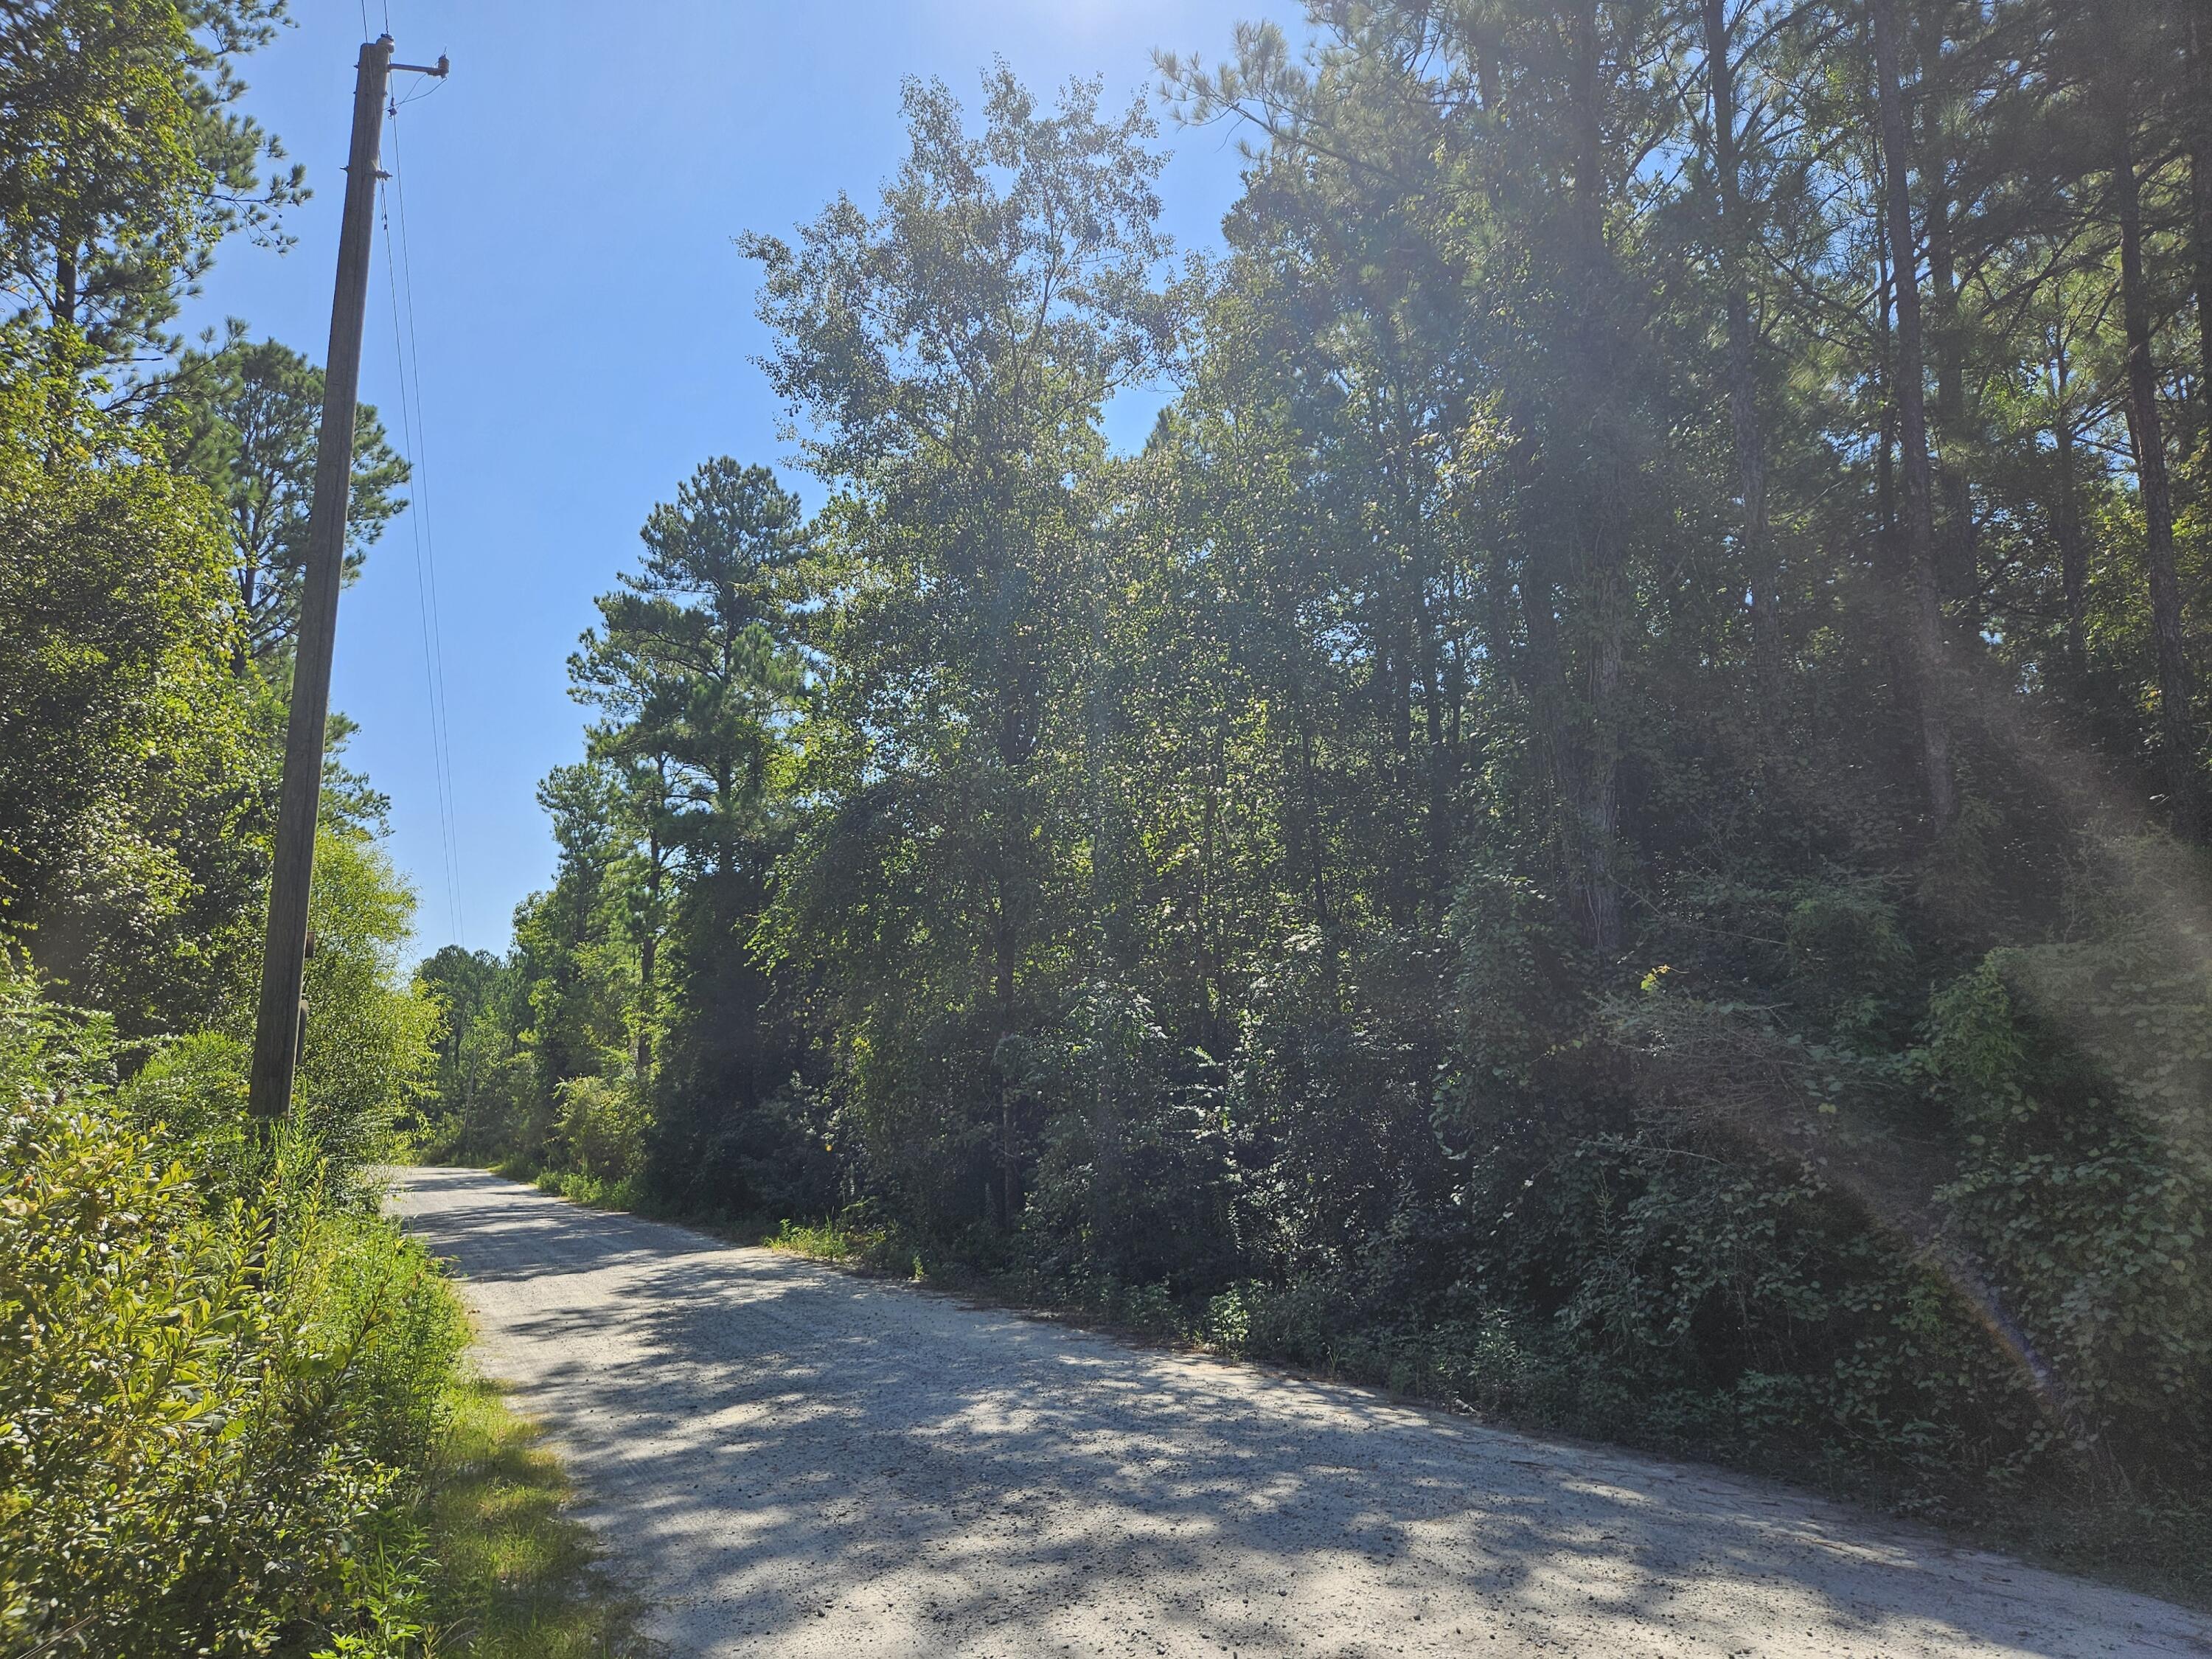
(429, 541)
(407, 353)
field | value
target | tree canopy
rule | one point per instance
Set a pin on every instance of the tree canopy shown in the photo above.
(1584, 821)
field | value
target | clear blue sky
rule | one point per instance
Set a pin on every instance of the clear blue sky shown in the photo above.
(586, 326)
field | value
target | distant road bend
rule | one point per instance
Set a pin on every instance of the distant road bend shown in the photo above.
(786, 1460)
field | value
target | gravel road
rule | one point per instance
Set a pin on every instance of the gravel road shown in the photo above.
(785, 1460)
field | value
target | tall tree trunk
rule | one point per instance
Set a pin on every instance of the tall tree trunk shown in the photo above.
(1309, 821)
(1599, 803)
(1748, 427)
(1955, 555)
(2073, 549)
(1010, 1173)
(2197, 41)
(65, 284)
(1925, 621)
(1111, 959)
(2176, 730)
(60, 352)
(1440, 757)
(241, 653)
(649, 952)
(1213, 951)
(1588, 766)
(1003, 947)
(2066, 512)
(1885, 545)
(1577, 749)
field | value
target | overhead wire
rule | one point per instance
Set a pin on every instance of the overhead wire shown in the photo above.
(430, 87)
(429, 541)
(407, 351)
(433, 612)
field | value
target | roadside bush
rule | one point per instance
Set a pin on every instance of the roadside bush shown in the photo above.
(2077, 1072)
(1132, 1185)
(725, 1158)
(189, 1099)
(135, 771)
(603, 1125)
(495, 1118)
(621, 1194)
(204, 1395)
(367, 1052)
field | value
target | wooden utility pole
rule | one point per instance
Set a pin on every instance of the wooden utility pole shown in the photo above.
(276, 1026)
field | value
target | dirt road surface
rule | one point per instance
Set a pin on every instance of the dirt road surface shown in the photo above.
(784, 1460)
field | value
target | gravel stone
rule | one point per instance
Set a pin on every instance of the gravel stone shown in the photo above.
(784, 1459)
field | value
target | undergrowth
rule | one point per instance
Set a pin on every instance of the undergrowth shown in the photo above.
(233, 1418)
(621, 1194)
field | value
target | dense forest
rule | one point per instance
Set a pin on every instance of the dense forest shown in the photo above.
(1606, 820)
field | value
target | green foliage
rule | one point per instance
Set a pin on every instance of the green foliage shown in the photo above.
(1489, 857)
(622, 1193)
(479, 1099)
(367, 1050)
(133, 770)
(692, 660)
(205, 1395)
(858, 1235)
(227, 1389)
(950, 352)
(484, 1560)
(602, 1127)
(1131, 1181)
(2084, 1180)
(245, 418)
(121, 166)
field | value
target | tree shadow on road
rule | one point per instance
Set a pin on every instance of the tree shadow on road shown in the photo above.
(786, 1449)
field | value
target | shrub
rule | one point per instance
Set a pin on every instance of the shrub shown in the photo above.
(603, 1125)
(203, 1397)
(366, 1054)
(2076, 1071)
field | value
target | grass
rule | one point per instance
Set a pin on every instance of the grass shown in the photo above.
(868, 1245)
(594, 1190)
(876, 1248)
(516, 1576)
(484, 1562)
(629, 1195)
